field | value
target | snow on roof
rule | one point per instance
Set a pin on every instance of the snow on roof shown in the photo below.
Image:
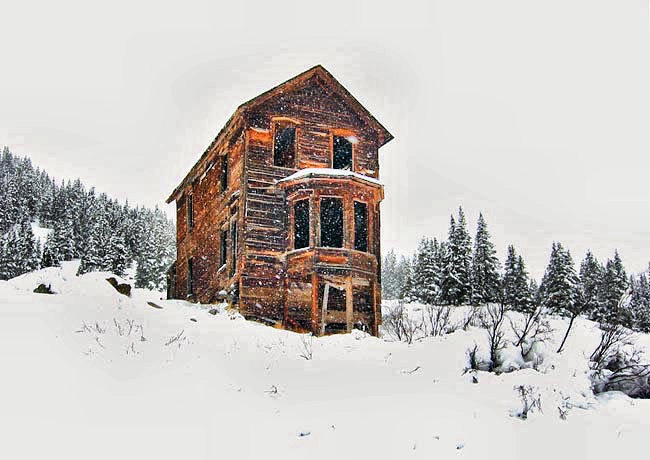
(328, 172)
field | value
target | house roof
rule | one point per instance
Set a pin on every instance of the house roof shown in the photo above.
(383, 135)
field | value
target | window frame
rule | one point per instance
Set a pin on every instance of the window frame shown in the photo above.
(224, 173)
(354, 220)
(190, 211)
(345, 133)
(287, 122)
(223, 246)
(320, 221)
(294, 221)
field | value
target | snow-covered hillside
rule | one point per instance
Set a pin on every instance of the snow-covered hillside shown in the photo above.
(90, 373)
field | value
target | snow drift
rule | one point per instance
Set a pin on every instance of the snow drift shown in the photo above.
(88, 372)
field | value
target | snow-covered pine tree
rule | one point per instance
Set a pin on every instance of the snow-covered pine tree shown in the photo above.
(485, 267)
(29, 251)
(591, 273)
(560, 288)
(117, 254)
(612, 288)
(389, 288)
(455, 283)
(409, 288)
(516, 286)
(426, 274)
(403, 270)
(639, 303)
(49, 257)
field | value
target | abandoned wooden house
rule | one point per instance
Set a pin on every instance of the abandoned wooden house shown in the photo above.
(282, 211)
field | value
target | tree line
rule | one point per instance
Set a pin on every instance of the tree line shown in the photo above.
(104, 234)
(457, 271)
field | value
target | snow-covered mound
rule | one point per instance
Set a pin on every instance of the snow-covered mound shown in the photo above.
(90, 373)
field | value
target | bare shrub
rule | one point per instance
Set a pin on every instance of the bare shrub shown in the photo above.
(532, 330)
(492, 321)
(436, 320)
(613, 339)
(474, 317)
(616, 363)
(401, 326)
(307, 341)
(177, 339)
(531, 400)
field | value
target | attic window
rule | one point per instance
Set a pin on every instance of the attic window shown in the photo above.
(342, 153)
(331, 223)
(284, 146)
(301, 224)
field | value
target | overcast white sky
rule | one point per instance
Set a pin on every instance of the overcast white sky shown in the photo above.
(535, 112)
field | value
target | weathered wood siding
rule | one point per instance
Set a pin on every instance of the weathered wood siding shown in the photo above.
(212, 211)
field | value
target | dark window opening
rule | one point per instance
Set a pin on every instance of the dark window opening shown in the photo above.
(224, 173)
(336, 298)
(360, 226)
(342, 155)
(190, 276)
(223, 248)
(362, 299)
(301, 224)
(331, 223)
(233, 249)
(284, 147)
(190, 211)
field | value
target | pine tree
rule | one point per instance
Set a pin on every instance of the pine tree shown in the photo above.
(455, 284)
(612, 288)
(591, 273)
(516, 286)
(117, 255)
(389, 288)
(426, 274)
(485, 267)
(639, 304)
(408, 293)
(560, 288)
(49, 258)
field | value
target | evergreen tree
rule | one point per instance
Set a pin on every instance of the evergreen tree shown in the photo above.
(389, 287)
(613, 287)
(49, 258)
(485, 267)
(516, 285)
(639, 304)
(455, 284)
(591, 273)
(560, 288)
(426, 275)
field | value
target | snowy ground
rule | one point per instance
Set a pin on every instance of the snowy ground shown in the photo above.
(89, 373)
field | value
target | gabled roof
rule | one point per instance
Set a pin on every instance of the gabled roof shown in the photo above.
(382, 133)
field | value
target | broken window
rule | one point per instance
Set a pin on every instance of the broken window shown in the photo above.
(332, 297)
(233, 249)
(190, 211)
(224, 173)
(190, 276)
(342, 154)
(331, 223)
(223, 248)
(360, 226)
(301, 224)
(284, 147)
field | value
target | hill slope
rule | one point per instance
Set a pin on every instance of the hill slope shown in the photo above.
(89, 373)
